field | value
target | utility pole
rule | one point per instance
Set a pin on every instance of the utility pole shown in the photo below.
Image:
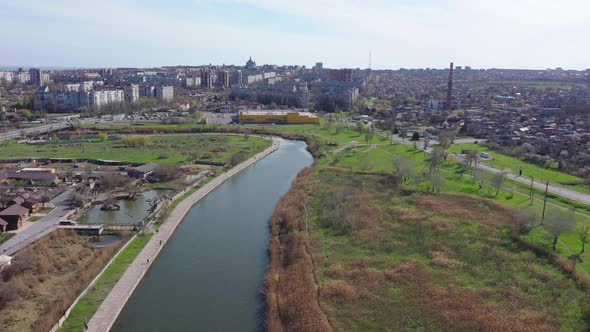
(545, 202)
(532, 193)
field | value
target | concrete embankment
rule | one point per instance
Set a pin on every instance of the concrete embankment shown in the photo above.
(111, 307)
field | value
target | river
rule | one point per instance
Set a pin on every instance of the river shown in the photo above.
(209, 275)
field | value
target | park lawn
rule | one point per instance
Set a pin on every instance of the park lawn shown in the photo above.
(530, 170)
(161, 149)
(5, 237)
(87, 306)
(410, 260)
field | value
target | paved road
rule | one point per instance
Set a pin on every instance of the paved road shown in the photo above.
(556, 190)
(41, 227)
(111, 307)
(33, 131)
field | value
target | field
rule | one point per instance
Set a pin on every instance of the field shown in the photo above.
(162, 149)
(385, 257)
(87, 306)
(530, 170)
(45, 278)
(443, 264)
(351, 250)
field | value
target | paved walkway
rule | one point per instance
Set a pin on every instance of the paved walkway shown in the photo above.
(106, 315)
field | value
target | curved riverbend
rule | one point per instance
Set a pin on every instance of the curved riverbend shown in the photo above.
(209, 275)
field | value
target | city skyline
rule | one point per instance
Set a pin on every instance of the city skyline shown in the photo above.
(526, 35)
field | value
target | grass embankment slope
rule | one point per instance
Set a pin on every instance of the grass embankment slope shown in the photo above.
(45, 278)
(162, 149)
(352, 251)
(87, 306)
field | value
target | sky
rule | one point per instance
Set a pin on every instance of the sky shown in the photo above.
(527, 34)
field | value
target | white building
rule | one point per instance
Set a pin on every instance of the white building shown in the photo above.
(132, 93)
(165, 93)
(104, 97)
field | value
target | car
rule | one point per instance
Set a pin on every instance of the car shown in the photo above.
(67, 223)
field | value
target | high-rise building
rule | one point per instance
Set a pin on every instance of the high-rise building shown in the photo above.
(106, 72)
(147, 91)
(131, 93)
(235, 79)
(319, 66)
(165, 93)
(341, 75)
(206, 79)
(37, 76)
(450, 89)
(223, 79)
(99, 98)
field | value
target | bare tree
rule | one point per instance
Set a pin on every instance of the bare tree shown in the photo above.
(472, 158)
(436, 181)
(45, 198)
(425, 143)
(497, 181)
(436, 159)
(557, 223)
(404, 168)
(479, 176)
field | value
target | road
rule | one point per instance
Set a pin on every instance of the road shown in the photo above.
(556, 190)
(33, 131)
(41, 227)
(553, 189)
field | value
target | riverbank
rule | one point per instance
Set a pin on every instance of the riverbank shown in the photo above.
(111, 307)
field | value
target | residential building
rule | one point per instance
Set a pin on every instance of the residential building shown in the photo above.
(37, 76)
(223, 79)
(165, 93)
(131, 93)
(14, 216)
(341, 75)
(147, 91)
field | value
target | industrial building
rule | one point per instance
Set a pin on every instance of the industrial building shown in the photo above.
(278, 116)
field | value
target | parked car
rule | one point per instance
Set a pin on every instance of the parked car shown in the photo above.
(67, 223)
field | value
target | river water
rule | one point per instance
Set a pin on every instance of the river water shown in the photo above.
(132, 211)
(209, 275)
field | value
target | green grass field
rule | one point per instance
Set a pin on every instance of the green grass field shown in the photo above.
(5, 236)
(162, 149)
(379, 158)
(429, 262)
(87, 306)
(530, 170)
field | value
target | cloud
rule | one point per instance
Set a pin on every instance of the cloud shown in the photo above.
(400, 33)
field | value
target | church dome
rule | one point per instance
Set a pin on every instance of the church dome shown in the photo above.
(250, 64)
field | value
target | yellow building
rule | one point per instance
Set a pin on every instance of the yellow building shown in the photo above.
(284, 117)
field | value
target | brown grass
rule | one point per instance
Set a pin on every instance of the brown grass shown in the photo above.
(485, 211)
(291, 283)
(45, 278)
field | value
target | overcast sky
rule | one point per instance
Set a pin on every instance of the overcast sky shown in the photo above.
(534, 34)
